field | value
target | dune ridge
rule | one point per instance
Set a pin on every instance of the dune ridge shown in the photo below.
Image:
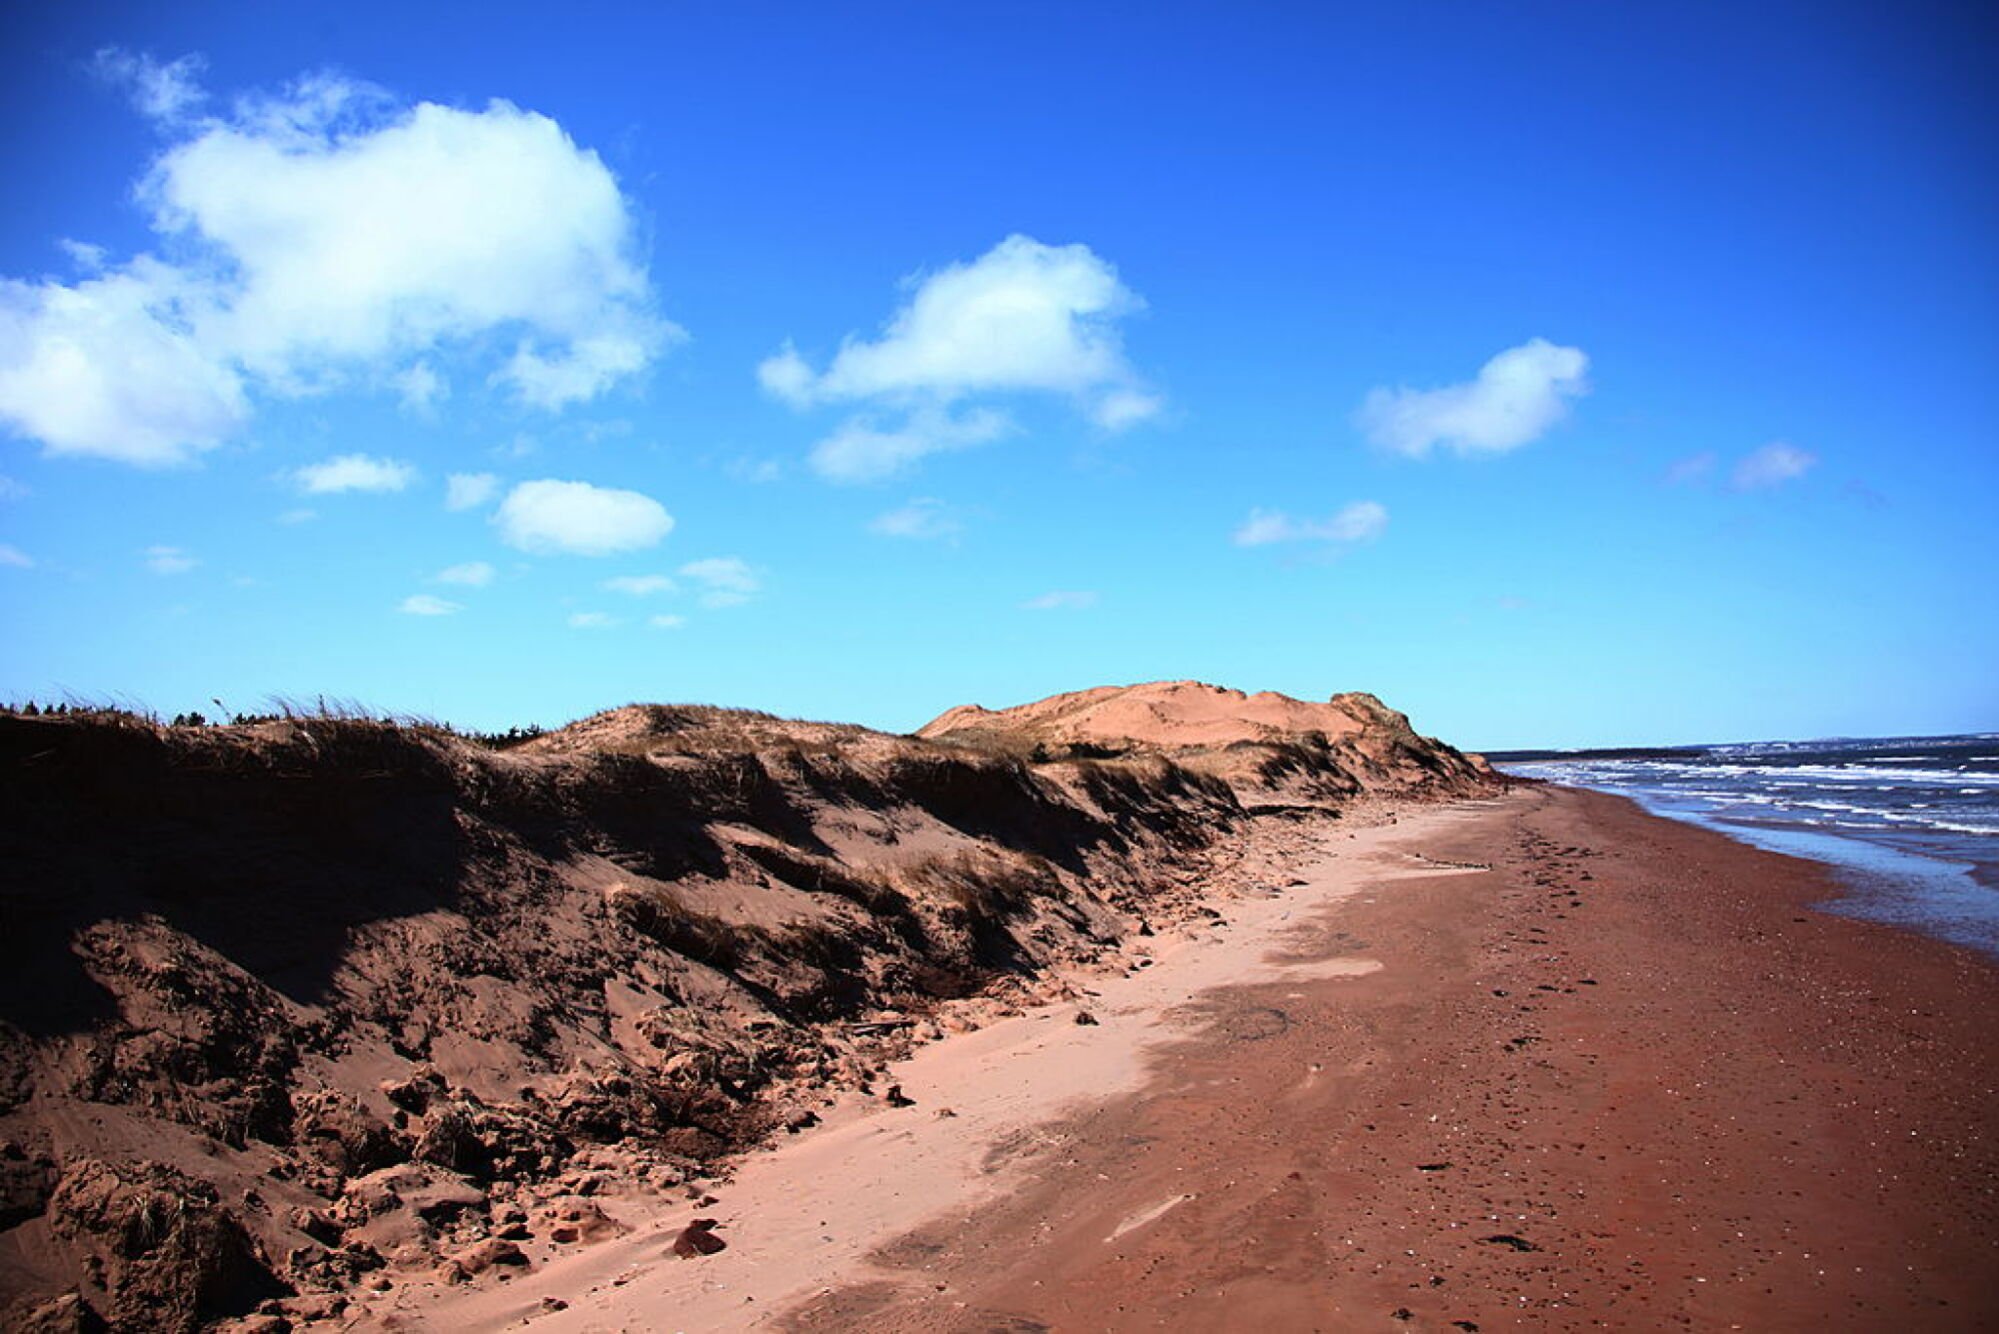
(1272, 750)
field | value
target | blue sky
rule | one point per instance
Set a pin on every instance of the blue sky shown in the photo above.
(1564, 375)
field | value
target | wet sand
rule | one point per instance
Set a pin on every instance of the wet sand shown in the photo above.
(1544, 1062)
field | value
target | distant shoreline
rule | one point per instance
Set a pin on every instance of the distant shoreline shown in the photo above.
(1909, 825)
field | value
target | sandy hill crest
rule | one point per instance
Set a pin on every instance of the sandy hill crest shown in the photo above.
(293, 1006)
(1272, 750)
(1166, 715)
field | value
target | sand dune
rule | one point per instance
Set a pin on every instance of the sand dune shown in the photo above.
(314, 1007)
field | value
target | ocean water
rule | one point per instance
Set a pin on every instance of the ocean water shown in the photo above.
(1911, 824)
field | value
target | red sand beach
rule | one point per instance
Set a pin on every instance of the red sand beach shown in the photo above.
(1542, 1061)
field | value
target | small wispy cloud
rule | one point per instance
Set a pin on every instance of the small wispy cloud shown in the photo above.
(421, 389)
(293, 517)
(640, 585)
(1772, 465)
(15, 558)
(1061, 600)
(862, 450)
(427, 604)
(757, 472)
(168, 560)
(354, 472)
(592, 620)
(166, 93)
(666, 622)
(1515, 398)
(1362, 521)
(88, 258)
(472, 574)
(724, 581)
(1693, 468)
(924, 519)
(469, 490)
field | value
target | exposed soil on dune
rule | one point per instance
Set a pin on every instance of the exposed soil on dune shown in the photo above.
(300, 1007)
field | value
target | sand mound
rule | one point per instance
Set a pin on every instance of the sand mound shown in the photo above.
(1162, 715)
(1270, 748)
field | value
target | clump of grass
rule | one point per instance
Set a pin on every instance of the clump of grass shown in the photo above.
(660, 917)
(824, 875)
(984, 884)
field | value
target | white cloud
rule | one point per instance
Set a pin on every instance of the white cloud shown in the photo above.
(640, 585)
(922, 519)
(786, 375)
(160, 92)
(860, 451)
(111, 368)
(1022, 318)
(362, 232)
(11, 489)
(168, 560)
(422, 389)
(426, 604)
(298, 516)
(550, 517)
(581, 371)
(324, 236)
(591, 620)
(353, 472)
(88, 258)
(1516, 398)
(472, 574)
(724, 581)
(1061, 600)
(1772, 465)
(1124, 408)
(469, 490)
(16, 558)
(1362, 521)
(666, 622)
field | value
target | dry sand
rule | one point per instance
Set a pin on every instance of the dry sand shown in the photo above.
(1538, 1062)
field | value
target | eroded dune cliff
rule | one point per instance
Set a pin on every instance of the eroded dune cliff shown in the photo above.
(289, 1006)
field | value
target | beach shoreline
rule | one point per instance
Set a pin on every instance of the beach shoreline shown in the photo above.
(1542, 1061)
(1906, 822)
